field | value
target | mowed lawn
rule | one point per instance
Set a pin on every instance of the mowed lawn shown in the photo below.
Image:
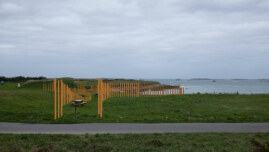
(192, 142)
(32, 104)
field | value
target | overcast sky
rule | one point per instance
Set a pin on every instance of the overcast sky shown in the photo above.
(135, 38)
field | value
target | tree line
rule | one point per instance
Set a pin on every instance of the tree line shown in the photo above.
(20, 78)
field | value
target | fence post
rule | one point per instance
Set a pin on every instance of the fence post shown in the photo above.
(55, 93)
(58, 99)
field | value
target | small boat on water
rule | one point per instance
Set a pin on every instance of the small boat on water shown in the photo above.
(214, 81)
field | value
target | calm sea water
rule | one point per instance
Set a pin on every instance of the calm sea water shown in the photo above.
(220, 86)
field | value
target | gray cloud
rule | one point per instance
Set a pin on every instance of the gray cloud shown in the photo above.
(135, 38)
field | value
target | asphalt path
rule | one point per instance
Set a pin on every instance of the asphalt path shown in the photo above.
(122, 128)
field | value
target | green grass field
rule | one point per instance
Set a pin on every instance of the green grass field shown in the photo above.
(31, 104)
(194, 142)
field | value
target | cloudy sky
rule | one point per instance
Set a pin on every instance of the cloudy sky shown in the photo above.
(135, 38)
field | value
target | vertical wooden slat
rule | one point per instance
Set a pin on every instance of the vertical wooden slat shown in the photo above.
(58, 98)
(101, 103)
(132, 89)
(99, 97)
(124, 89)
(61, 97)
(55, 94)
(138, 90)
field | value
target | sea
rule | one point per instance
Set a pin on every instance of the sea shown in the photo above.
(241, 86)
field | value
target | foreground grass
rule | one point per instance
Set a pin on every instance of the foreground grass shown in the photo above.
(239, 142)
(29, 104)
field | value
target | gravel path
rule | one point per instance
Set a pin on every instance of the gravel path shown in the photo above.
(114, 128)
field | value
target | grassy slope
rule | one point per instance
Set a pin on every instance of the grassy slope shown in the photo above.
(30, 104)
(239, 142)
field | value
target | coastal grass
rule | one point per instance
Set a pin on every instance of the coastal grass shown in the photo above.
(194, 142)
(31, 104)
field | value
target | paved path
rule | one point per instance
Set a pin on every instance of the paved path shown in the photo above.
(93, 128)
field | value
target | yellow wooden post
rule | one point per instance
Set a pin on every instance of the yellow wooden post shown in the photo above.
(127, 89)
(61, 97)
(67, 95)
(112, 89)
(137, 93)
(58, 99)
(135, 90)
(55, 98)
(138, 89)
(102, 95)
(98, 92)
(118, 87)
(123, 89)
(143, 89)
(108, 90)
(115, 89)
(132, 91)
(63, 94)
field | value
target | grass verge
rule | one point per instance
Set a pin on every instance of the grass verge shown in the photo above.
(30, 104)
(239, 142)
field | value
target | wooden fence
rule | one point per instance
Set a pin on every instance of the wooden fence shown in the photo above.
(63, 95)
(128, 89)
(48, 86)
